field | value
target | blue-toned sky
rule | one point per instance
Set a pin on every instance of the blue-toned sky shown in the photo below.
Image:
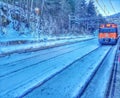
(109, 7)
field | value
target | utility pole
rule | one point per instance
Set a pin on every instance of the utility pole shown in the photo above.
(37, 12)
(31, 9)
(41, 16)
(69, 23)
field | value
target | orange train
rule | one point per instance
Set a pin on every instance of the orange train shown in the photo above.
(108, 34)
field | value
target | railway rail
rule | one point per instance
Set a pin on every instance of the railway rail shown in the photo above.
(98, 86)
(113, 89)
(39, 71)
(64, 85)
(12, 67)
(50, 50)
(69, 73)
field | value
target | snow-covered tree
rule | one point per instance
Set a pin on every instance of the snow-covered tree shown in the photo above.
(53, 17)
(80, 8)
(95, 17)
(91, 9)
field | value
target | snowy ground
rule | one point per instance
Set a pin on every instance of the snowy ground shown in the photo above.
(59, 72)
(63, 68)
(41, 45)
(29, 69)
(70, 82)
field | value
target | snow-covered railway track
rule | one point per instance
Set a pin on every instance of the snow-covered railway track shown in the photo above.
(72, 81)
(42, 56)
(98, 85)
(48, 50)
(27, 78)
(113, 89)
(9, 68)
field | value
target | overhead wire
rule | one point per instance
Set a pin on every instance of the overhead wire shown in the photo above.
(112, 6)
(105, 8)
(101, 7)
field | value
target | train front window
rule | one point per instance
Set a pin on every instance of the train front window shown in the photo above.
(107, 30)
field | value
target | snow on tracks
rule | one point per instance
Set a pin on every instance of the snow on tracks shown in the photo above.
(27, 79)
(73, 80)
(98, 86)
(22, 56)
(113, 89)
(12, 67)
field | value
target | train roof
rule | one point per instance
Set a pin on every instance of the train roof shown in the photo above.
(108, 25)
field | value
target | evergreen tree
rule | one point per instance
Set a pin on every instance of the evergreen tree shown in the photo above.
(92, 16)
(80, 8)
(53, 7)
(72, 5)
(91, 10)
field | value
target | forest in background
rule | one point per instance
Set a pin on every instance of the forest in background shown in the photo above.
(56, 17)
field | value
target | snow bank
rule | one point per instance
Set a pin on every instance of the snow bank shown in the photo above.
(6, 50)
